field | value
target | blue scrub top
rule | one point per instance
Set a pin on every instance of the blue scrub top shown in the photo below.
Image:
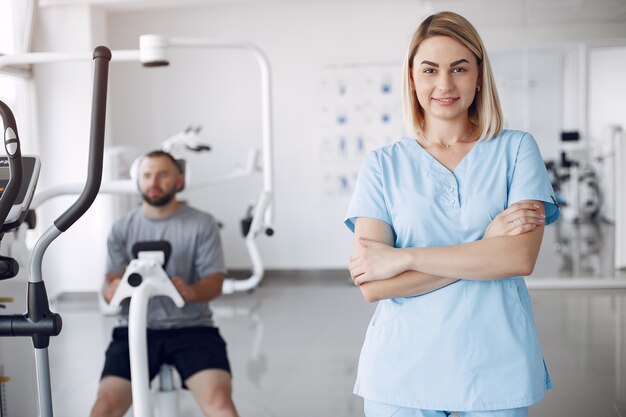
(473, 345)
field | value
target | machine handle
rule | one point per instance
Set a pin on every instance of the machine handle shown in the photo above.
(14, 156)
(9, 268)
(101, 56)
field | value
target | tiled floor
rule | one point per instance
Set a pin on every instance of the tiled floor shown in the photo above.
(294, 342)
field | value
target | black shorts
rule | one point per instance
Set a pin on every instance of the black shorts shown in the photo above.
(190, 350)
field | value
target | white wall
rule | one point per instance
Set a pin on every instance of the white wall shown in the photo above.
(219, 90)
(64, 109)
(605, 90)
(531, 89)
(605, 94)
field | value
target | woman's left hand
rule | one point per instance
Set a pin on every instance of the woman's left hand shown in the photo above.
(518, 219)
(373, 261)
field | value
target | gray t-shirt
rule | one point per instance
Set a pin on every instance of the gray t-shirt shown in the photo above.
(196, 253)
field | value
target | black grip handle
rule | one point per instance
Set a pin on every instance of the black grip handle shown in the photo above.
(101, 56)
(39, 323)
(14, 157)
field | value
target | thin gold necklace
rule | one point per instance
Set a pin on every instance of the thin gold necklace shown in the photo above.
(450, 145)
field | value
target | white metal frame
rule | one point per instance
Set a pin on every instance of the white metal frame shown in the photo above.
(153, 49)
(154, 281)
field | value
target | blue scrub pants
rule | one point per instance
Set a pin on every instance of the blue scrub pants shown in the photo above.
(374, 409)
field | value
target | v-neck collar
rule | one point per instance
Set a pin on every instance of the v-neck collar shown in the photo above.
(434, 160)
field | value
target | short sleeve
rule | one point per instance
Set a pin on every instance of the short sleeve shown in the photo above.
(530, 179)
(209, 257)
(117, 257)
(368, 198)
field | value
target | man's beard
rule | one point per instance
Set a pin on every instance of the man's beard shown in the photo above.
(160, 201)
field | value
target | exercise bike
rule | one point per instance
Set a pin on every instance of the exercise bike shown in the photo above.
(144, 278)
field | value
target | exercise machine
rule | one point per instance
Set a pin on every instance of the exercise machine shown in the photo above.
(144, 278)
(39, 322)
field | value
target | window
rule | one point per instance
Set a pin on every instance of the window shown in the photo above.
(15, 33)
(16, 18)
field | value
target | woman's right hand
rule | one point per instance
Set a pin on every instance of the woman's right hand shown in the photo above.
(518, 219)
(372, 261)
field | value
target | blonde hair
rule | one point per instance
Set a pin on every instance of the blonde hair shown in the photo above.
(485, 112)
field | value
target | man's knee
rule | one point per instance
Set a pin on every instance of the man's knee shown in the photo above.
(114, 398)
(217, 402)
(212, 389)
(107, 405)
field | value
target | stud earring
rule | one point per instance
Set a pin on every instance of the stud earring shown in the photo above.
(477, 88)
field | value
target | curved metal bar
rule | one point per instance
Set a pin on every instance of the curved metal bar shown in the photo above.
(42, 363)
(266, 103)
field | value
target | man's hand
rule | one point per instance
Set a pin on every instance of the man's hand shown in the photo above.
(373, 260)
(519, 218)
(186, 291)
(109, 288)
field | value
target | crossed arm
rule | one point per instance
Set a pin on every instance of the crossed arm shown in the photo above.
(382, 271)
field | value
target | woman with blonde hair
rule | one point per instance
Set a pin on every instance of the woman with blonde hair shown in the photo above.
(446, 223)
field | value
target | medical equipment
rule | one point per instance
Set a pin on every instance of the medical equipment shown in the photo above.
(39, 323)
(188, 139)
(153, 52)
(579, 247)
(575, 181)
